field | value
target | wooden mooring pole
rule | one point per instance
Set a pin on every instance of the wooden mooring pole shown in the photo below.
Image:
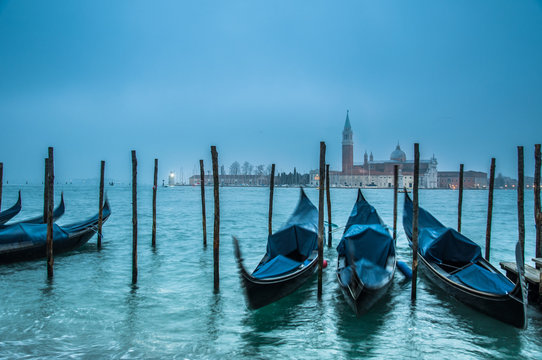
(203, 216)
(321, 216)
(415, 220)
(521, 209)
(101, 204)
(537, 211)
(490, 207)
(395, 190)
(460, 200)
(271, 190)
(154, 189)
(134, 217)
(216, 232)
(46, 190)
(50, 206)
(328, 200)
(1, 182)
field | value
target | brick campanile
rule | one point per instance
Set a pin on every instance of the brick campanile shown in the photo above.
(348, 146)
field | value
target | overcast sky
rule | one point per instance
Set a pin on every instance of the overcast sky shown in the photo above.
(265, 81)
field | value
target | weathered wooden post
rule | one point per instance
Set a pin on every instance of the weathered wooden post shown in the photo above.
(271, 189)
(50, 206)
(460, 200)
(134, 217)
(216, 233)
(203, 216)
(1, 182)
(521, 209)
(154, 189)
(537, 211)
(321, 215)
(46, 191)
(490, 207)
(395, 190)
(101, 204)
(415, 220)
(328, 200)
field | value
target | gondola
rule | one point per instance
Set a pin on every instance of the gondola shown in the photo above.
(57, 213)
(366, 262)
(290, 260)
(455, 264)
(24, 241)
(6, 215)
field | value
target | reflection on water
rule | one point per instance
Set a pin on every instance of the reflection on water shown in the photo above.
(90, 308)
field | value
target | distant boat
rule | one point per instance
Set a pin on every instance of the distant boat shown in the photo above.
(291, 258)
(111, 183)
(405, 191)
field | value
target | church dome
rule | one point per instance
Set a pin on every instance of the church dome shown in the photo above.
(398, 154)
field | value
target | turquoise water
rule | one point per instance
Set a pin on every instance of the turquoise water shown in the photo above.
(91, 310)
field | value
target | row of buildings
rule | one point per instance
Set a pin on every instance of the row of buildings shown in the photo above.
(369, 174)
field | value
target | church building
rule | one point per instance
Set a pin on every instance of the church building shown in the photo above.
(377, 173)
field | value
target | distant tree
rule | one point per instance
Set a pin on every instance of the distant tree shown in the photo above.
(250, 169)
(235, 168)
(260, 170)
(245, 169)
(222, 170)
(268, 170)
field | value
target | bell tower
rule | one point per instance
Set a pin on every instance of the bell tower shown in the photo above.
(348, 146)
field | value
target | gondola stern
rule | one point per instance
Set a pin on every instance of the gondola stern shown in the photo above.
(59, 211)
(360, 196)
(239, 259)
(246, 278)
(106, 208)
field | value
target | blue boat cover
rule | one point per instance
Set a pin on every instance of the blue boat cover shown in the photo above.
(437, 242)
(6, 215)
(425, 219)
(293, 243)
(299, 234)
(368, 242)
(363, 213)
(35, 233)
(368, 272)
(478, 278)
(445, 245)
(372, 242)
(279, 265)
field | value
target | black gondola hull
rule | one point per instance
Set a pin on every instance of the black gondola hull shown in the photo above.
(506, 308)
(23, 247)
(31, 251)
(357, 294)
(366, 299)
(262, 292)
